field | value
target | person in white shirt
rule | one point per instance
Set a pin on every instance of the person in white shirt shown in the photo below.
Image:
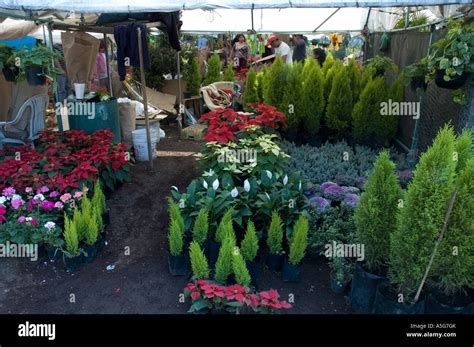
(281, 49)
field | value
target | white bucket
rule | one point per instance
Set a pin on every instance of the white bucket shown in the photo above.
(156, 127)
(79, 88)
(140, 144)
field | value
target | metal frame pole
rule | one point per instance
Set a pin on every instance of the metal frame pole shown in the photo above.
(107, 61)
(145, 99)
(328, 18)
(55, 87)
(181, 106)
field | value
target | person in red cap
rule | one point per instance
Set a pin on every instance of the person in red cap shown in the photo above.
(281, 49)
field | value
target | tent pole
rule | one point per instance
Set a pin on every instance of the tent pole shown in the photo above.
(107, 61)
(328, 18)
(252, 17)
(407, 17)
(145, 99)
(181, 106)
(55, 87)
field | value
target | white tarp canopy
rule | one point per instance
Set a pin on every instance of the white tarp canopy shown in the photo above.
(115, 6)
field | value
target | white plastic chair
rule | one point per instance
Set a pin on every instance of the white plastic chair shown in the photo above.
(37, 105)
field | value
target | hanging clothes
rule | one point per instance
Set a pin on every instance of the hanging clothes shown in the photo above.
(126, 38)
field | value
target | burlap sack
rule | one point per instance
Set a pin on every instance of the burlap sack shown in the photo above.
(80, 52)
(128, 119)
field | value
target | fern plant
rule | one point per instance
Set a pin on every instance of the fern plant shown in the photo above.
(299, 240)
(249, 245)
(376, 214)
(198, 260)
(275, 234)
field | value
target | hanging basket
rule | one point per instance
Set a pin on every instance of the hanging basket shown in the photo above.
(35, 76)
(455, 83)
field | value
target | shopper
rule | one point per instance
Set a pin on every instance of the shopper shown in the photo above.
(281, 49)
(319, 55)
(240, 52)
(100, 74)
(299, 52)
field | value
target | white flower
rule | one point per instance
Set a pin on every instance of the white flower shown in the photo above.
(269, 174)
(285, 180)
(39, 197)
(247, 186)
(215, 184)
(268, 196)
(175, 188)
(209, 173)
(234, 192)
(204, 184)
(16, 197)
(299, 186)
(2, 200)
(28, 219)
(50, 225)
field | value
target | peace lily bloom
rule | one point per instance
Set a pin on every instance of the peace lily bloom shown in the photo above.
(209, 173)
(215, 184)
(268, 196)
(175, 188)
(299, 186)
(204, 184)
(285, 180)
(234, 192)
(269, 174)
(247, 185)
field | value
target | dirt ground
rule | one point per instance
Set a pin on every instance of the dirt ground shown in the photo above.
(137, 247)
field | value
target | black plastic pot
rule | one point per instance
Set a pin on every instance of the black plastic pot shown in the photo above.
(101, 242)
(73, 263)
(363, 290)
(212, 252)
(336, 287)
(274, 262)
(33, 78)
(255, 270)
(438, 304)
(106, 219)
(91, 252)
(187, 94)
(385, 303)
(291, 273)
(10, 73)
(455, 83)
(52, 253)
(178, 265)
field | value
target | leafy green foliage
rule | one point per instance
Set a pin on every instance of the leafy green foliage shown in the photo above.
(453, 266)
(313, 99)
(464, 148)
(366, 117)
(193, 77)
(379, 65)
(275, 84)
(355, 76)
(198, 261)
(249, 245)
(92, 232)
(299, 240)
(275, 234)
(201, 226)
(175, 238)
(175, 213)
(328, 64)
(224, 260)
(261, 82)
(339, 108)
(329, 78)
(292, 98)
(250, 92)
(98, 199)
(376, 213)
(241, 273)
(225, 229)
(422, 215)
(213, 70)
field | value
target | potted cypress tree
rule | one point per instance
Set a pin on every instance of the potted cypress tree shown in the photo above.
(228, 74)
(91, 230)
(199, 263)
(72, 254)
(291, 105)
(250, 92)
(420, 221)
(249, 250)
(193, 79)
(213, 70)
(339, 108)
(298, 244)
(241, 273)
(177, 259)
(224, 261)
(312, 99)
(275, 83)
(225, 228)
(274, 258)
(375, 219)
(453, 265)
(201, 228)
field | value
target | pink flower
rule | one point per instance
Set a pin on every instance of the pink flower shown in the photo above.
(53, 194)
(78, 195)
(28, 190)
(65, 197)
(17, 203)
(21, 219)
(59, 205)
(34, 221)
(43, 189)
(47, 205)
(9, 191)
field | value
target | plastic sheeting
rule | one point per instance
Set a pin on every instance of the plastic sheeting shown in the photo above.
(12, 29)
(115, 6)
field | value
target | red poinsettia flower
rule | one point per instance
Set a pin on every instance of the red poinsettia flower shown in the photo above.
(236, 292)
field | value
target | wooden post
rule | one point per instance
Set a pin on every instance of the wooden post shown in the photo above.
(180, 93)
(145, 99)
(107, 61)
